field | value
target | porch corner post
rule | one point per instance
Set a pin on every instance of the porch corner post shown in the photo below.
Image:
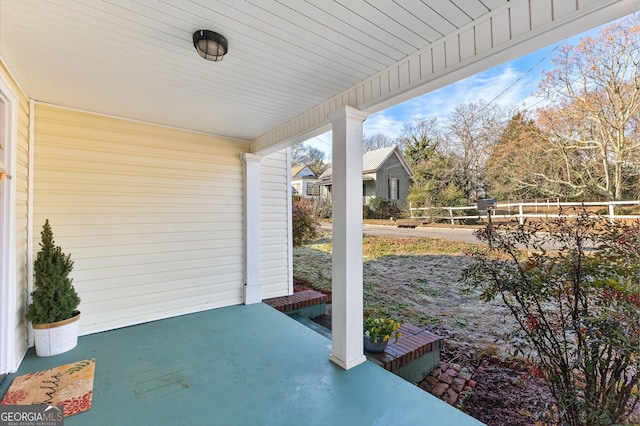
(346, 282)
(252, 289)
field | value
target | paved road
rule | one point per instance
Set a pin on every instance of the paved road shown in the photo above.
(458, 234)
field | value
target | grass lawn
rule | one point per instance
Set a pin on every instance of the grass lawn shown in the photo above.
(418, 280)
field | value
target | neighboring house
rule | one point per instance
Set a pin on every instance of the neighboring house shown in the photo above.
(167, 177)
(304, 182)
(385, 174)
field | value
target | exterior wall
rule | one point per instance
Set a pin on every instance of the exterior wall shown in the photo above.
(368, 189)
(21, 178)
(274, 232)
(392, 168)
(152, 216)
(297, 186)
(301, 185)
(306, 172)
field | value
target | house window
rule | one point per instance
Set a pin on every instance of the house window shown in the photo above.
(394, 184)
(313, 190)
(297, 188)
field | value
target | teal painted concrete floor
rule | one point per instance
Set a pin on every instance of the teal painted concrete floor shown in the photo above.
(241, 365)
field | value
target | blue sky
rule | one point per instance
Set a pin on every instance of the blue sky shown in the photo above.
(518, 79)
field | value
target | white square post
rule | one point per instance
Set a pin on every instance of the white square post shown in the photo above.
(346, 283)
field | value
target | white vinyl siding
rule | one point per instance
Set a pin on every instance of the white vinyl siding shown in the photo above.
(274, 236)
(152, 216)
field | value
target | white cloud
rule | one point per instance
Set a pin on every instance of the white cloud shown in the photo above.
(499, 85)
(383, 122)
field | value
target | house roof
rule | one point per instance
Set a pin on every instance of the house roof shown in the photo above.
(373, 160)
(290, 63)
(298, 171)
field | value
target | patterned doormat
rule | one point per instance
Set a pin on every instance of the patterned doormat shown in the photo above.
(70, 385)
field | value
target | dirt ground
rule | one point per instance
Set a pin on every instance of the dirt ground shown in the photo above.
(508, 396)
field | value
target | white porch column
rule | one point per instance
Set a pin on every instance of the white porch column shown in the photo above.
(252, 288)
(346, 281)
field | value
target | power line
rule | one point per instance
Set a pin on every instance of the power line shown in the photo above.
(516, 81)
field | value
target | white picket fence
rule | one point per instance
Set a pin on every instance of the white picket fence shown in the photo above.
(499, 213)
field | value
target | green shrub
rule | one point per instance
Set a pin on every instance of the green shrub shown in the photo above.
(304, 227)
(380, 208)
(577, 305)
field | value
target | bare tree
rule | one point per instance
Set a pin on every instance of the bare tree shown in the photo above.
(473, 130)
(302, 154)
(376, 141)
(421, 129)
(591, 121)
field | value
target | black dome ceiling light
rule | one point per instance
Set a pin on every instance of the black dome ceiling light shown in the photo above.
(210, 45)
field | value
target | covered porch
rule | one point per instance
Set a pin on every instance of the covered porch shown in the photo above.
(167, 178)
(237, 365)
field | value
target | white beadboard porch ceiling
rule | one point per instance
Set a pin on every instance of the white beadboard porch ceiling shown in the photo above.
(289, 63)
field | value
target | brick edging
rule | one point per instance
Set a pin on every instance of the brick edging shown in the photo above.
(449, 382)
(298, 300)
(414, 343)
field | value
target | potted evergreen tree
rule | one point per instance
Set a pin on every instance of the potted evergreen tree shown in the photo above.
(53, 310)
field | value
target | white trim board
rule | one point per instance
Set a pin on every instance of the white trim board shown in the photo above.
(8, 298)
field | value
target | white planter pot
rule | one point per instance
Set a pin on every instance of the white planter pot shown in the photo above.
(57, 337)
